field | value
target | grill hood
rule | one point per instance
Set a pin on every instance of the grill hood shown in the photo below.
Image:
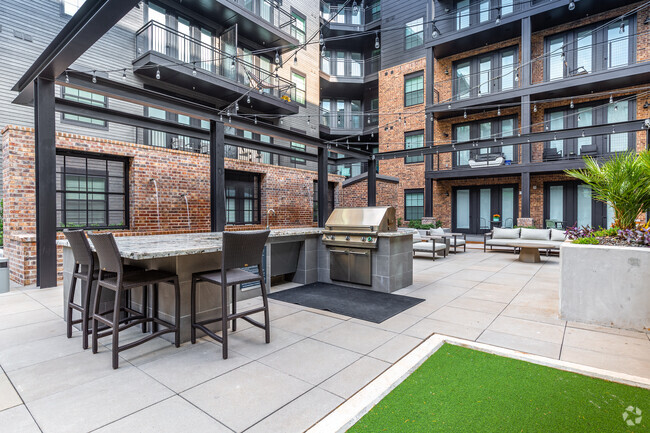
(362, 219)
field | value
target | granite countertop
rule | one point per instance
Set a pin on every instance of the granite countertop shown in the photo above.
(157, 246)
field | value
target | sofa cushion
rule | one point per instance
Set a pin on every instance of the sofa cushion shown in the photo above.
(416, 234)
(436, 232)
(558, 235)
(505, 233)
(428, 246)
(536, 234)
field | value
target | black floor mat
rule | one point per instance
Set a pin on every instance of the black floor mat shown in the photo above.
(358, 303)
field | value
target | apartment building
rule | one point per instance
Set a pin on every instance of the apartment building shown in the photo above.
(556, 72)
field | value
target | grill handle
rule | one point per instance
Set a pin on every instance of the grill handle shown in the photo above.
(360, 254)
(340, 252)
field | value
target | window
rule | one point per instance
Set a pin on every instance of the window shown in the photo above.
(413, 204)
(242, 197)
(375, 11)
(487, 73)
(462, 14)
(590, 49)
(572, 203)
(91, 191)
(484, 130)
(301, 87)
(330, 199)
(70, 7)
(414, 140)
(414, 36)
(298, 27)
(300, 147)
(86, 98)
(413, 89)
(157, 138)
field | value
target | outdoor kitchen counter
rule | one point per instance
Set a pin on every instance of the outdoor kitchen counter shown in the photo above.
(184, 244)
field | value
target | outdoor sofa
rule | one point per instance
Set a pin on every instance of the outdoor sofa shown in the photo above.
(433, 246)
(502, 237)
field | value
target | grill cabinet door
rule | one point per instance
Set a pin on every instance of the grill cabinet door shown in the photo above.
(339, 264)
(361, 266)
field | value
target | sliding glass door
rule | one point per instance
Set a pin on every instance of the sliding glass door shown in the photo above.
(473, 208)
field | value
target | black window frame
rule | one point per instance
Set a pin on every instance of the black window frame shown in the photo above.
(413, 75)
(495, 84)
(570, 204)
(495, 8)
(299, 147)
(304, 76)
(418, 159)
(293, 28)
(242, 179)
(496, 129)
(599, 59)
(406, 208)
(419, 35)
(68, 121)
(61, 190)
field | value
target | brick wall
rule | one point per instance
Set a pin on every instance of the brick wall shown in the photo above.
(175, 172)
(356, 194)
(391, 100)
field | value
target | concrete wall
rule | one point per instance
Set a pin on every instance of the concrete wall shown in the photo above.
(607, 286)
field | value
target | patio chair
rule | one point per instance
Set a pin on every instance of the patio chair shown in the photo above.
(112, 277)
(241, 249)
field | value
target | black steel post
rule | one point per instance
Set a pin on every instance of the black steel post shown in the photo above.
(323, 205)
(217, 178)
(372, 182)
(45, 171)
(525, 194)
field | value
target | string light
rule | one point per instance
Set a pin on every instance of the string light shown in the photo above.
(248, 99)
(611, 98)
(94, 77)
(571, 105)
(355, 7)
(256, 120)
(322, 51)
(499, 111)
(277, 57)
(535, 108)
(124, 75)
(517, 77)
(295, 59)
(321, 41)
(157, 73)
(498, 20)
(621, 30)
(376, 41)
(572, 5)
(436, 31)
(67, 79)
(465, 114)
(194, 69)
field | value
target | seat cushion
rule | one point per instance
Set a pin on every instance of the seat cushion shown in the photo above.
(458, 241)
(436, 232)
(233, 276)
(499, 233)
(428, 247)
(142, 278)
(499, 242)
(536, 234)
(558, 235)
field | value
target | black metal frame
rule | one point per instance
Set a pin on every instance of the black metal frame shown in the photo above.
(240, 180)
(412, 35)
(496, 191)
(496, 68)
(411, 76)
(420, 159)
(413, 191)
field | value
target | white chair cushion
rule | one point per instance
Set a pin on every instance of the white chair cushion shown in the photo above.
(558, 235)
(458, 241)
(505, 233)
(536, 234)
(428, 246)
(436, 232)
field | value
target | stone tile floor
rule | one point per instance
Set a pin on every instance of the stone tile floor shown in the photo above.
(315, 361)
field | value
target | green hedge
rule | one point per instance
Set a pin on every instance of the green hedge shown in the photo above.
(417, 224)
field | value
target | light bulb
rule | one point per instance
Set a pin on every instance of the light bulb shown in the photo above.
(616, 107)
(571, 105)
(281, 120)
(621, 30)
(377, 42)
(517, 77)
(498, 20)
(499, 111)
(232, 62)
(256, 120)
(465, 114)
(157, 74)
(94, 77)
(355, 7)
(611, 99)
(67, 79)
(321, 40)
(248, 99)
(194, 69)
(572, 5)
(295, 59)
(124, 75)
(583, 133)
(277, 58)
(535, 108)
(322, 52)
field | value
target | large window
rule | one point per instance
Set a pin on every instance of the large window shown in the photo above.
(485, 130)
(301, 87)
(486, 73)
(571, 203)
(242, 197)
(413, 204)
(70, 7)
(91, 191)
(589, 49)
(414, 89)
(342, 64)
(86, 98)
(414, 36)
(473, 12)
(300, 147)
(298, 27)
(413, 140)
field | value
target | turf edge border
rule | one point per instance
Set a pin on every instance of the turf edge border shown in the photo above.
(351, 410)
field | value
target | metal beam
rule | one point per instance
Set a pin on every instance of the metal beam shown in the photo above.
(45, 173)
(372, 182)
(323, 202)
(92, 21)
(525, 194)
(217, 178)
(526, 50)
(525, 127)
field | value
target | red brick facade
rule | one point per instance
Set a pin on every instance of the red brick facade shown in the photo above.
(176, 172)
(356, 194)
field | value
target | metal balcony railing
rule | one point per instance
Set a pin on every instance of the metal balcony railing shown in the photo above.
(354, 16)
(193, 53)
(348, 120)
(270, 11)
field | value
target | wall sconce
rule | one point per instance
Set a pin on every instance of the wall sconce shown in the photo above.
(446, 71)
(447, 194)
(444, 134)
(645, 106)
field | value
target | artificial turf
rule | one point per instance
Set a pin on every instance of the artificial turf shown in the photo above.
(463, 390)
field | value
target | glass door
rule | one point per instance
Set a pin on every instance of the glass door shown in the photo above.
(507, 208)
(462, 219)
(485, 209)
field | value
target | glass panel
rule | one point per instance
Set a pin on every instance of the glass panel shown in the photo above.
(584, 55)
(340, 114)
(355, 64)
(462, 134)
(414, 33)
(462, 80)
(556, 202)
(326, 113)
(325, 62)
(266, 11)
(507, 7)
(507, 207)
(507, 70)
(556, 60)
(462, 14)
(414, 91)
(508, 130)
(557, 123)
(484, 14)
(618, 44)
(585, 118)
(340, 63)
(355, 118)
(485, 132)
(485, 72)
(610, 215)
(462, 209)
(414, 205)
(485, 208)
(299, 81)
(207, 61)
(183, 40)
(413, 142)
(70, 7)
(157, 15)
(617, 112)
(584, 205)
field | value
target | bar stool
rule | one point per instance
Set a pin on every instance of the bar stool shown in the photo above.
(120, 283)
(239, 249)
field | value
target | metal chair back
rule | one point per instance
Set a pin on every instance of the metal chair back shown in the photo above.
(241, 249)
(81, 251)
(107, 252)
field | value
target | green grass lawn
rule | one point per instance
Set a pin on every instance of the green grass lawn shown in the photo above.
(464, 390)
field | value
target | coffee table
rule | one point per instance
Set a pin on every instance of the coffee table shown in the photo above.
(529, 251)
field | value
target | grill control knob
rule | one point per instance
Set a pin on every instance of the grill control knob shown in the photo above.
(347, 238)
(369, 238)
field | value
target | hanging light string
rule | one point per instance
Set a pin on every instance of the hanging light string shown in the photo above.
(561, 48)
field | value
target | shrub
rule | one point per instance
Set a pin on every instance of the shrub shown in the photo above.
(587, 240)
(640, 236)
(417, 224)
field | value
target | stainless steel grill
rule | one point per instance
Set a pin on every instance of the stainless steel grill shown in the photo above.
(351, 235)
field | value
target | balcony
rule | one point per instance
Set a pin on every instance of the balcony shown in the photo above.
(182, 61)
(347, 123)
(262, 21)
(351, 18)
(349, 70)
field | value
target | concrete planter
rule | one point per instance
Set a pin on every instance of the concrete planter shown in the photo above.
(605, 285)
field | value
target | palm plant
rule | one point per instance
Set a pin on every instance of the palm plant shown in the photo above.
(623, 181)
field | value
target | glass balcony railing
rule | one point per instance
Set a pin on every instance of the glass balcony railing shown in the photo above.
(206, 58)
(270, 11)
(354, 15)
(348, 120)
(350, 66)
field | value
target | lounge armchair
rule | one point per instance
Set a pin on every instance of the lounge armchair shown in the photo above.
(452, 238)
(431, 246)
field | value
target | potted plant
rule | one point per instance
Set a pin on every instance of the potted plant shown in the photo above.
(496, 217)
